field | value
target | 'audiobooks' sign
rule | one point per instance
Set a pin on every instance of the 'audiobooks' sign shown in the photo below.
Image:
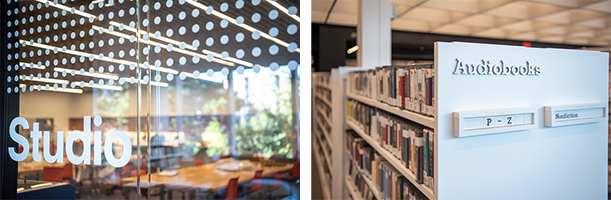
(487, 68)
(84, 136)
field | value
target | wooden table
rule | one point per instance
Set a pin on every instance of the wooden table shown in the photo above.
(203, 178)
(35, 169)
(206, 177)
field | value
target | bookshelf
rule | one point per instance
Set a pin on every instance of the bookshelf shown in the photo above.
(391, 159)
(465, 167)
(367, 180)
(321, 143)
(354, 193)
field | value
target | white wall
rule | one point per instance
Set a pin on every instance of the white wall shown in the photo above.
(568, 162)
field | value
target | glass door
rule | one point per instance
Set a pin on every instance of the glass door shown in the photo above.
(143, 98)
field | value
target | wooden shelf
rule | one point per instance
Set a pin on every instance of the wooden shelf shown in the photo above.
(368, 181)
(324, 131)
(352, 189)
(413, 116)
(326, 191)
(324, 116)
(324, 150)
(392, 160)
(323, 100)
(323, 86)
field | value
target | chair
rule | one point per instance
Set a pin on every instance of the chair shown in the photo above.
(277, 184)
(294, 177)
(232, 188)
(67, 172)
(52, 174)
(256, 182)
(295, 174)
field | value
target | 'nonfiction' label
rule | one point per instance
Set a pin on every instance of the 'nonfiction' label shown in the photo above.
(567, 116)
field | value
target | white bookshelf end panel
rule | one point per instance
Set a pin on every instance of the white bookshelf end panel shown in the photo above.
(474, 123)
(575, 114)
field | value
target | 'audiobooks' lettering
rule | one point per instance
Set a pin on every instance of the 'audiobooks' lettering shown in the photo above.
(487, 68)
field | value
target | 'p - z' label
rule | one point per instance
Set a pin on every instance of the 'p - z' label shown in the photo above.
(574, 114)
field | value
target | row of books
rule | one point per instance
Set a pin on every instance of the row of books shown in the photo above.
(408, 141)
(407, 87)
(393, 185)
(321, 79)
(324, 93)
(323, 108)
(369, 164)
(362, 113)
(362, 187)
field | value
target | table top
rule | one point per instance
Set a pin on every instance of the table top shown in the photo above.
(207, 177)
(34, 168)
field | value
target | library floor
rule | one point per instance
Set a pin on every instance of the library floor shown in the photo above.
(316, 184)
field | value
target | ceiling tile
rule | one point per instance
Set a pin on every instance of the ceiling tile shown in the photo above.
(427, 15)
(322, 5)
(595, 23)
(564, 3)
(408, 3)
(563, 17)
(453, 29)
(603, 6)
(598, 42)
(514, 10)
(346, 6)
(585, 34)
(603, 34)
(491, 33)
(409, 25)
(557, 30)
(528, 36)
(552, 39)
(319, 16)
(478, 21)
(576, 40)
(343, 19)
(519, 26)
(468, 6)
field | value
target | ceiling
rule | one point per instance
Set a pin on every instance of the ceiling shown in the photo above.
(41, 32)
(575, 22)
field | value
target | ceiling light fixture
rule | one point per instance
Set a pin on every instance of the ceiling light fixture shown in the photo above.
(66, 8)
(119, 34)
(243, 25)
(32, 65)
(165, 39)
(97, 57)
(162, 84)
(67, 90)
(283, 9)
(95, 75)
(353, 49)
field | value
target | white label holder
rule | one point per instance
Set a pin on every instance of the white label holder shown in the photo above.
(575, 114)
(473, 123)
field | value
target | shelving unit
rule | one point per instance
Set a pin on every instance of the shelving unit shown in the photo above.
(321, 140)
(459, 161)
(391, 159)
(352, 189)
(368, 181)
(416, 117)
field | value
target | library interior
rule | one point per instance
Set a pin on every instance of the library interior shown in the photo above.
(473, 99)
(124, 99)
